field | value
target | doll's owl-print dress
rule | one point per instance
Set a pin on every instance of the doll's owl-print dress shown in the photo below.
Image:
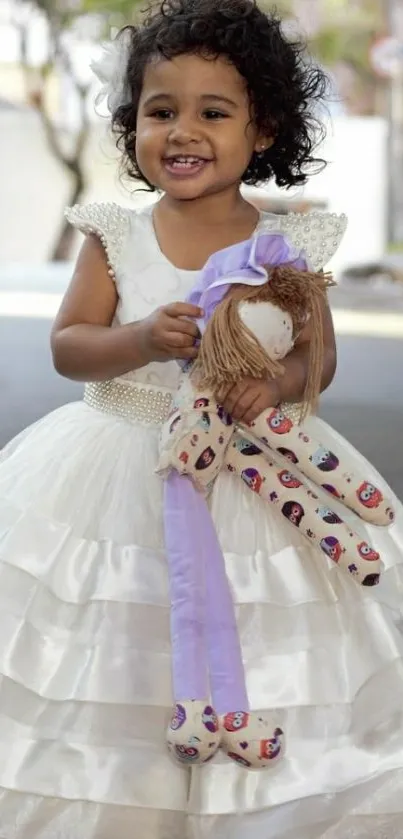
(85, 688)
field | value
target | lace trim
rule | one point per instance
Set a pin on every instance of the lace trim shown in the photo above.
(109, 222)
(318, 234)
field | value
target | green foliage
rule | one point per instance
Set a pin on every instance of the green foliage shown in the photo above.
(348, 29)
(332, 45)
(123, 11)
(64, 13)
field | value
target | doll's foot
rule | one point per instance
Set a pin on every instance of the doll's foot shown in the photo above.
(253, 740)
(193, 734)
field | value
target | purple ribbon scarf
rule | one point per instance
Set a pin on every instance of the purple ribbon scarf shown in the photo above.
(206, 651)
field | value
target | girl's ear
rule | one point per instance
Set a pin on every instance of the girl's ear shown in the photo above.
(263, 144)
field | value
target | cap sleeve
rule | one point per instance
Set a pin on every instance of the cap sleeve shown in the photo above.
(109, 222)
(318, 235)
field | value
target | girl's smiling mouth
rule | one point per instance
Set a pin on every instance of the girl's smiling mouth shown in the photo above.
(185, 165)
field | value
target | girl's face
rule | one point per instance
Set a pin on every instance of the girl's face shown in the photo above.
(194, 131)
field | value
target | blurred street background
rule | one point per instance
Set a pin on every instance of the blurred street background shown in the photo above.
(55, 150)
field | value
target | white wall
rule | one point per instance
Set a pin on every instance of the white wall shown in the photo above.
(35, 189)
(355, 183)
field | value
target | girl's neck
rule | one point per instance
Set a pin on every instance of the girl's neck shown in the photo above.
(189, 232)
(210, 211)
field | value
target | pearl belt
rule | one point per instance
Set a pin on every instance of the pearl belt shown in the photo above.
(143, 404)
(139, 403)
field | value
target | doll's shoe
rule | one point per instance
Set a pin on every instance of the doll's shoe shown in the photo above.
(194, 732)
(252, 740)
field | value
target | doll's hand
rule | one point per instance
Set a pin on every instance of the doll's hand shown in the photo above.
(246, 400)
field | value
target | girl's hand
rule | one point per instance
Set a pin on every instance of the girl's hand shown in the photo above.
(170, 332)
(247, 399)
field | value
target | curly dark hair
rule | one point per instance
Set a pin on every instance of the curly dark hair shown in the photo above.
(283, 84)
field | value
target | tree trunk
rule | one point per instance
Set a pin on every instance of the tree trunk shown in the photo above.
(63, 245)
(35, 81)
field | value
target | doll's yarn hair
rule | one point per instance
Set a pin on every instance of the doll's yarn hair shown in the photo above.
(229, 351)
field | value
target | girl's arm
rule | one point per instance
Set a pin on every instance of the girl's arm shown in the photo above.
(292, 385)
(247, 399)
(84, 345)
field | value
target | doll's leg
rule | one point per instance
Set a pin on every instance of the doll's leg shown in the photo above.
(192, 449)
(201, 622)
(293, 499)
(322, 466)
(252, 739)
(194, 438)
(193, 737)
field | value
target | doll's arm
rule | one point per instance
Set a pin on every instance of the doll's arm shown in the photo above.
(195, 437)
(292, 498)
(198, 445)
(323, 467)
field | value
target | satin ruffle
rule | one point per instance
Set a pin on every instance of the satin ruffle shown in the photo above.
(85, 687)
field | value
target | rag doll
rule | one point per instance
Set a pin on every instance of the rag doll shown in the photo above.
(256, 298)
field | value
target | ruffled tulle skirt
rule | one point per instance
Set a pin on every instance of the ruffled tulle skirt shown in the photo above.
(85, 682)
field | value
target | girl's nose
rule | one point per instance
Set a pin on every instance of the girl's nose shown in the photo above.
(184, 132)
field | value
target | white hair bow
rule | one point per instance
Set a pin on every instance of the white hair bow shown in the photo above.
(111, 69)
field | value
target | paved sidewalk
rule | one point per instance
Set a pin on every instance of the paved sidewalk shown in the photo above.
(375, 293)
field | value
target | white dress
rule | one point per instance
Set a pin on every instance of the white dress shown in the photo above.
(85, 690)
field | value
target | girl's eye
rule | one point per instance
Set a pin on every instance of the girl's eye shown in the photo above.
(162, 114)
(213, 114)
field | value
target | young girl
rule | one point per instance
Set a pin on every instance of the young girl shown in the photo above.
(205, 95)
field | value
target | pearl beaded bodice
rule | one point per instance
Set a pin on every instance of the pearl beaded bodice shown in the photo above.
(145, 279)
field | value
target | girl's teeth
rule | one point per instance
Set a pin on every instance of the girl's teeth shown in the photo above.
(186, 161)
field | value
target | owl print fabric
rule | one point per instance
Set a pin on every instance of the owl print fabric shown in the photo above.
(200, 439)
